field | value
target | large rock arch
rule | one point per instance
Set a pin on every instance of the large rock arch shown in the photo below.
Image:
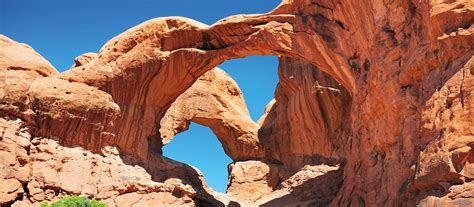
(408, 130)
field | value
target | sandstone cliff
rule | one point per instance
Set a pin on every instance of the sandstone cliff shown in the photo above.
(374, 108)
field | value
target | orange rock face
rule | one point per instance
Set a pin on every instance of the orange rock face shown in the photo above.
(216, 101)
(374, 108)
(288, 131)
(47, 170)
(19, 56)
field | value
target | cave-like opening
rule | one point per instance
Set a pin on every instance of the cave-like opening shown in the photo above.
(257, 77)
(199, 147)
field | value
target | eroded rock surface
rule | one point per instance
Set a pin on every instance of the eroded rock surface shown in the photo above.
(288, 132)
(216, 101)
(35, 169)
(251, 180)
(313, 185)
(382, 89)
(19, 56)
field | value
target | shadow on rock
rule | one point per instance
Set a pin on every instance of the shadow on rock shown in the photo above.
(318, 191)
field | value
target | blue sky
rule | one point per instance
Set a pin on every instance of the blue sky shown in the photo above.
(61, 30)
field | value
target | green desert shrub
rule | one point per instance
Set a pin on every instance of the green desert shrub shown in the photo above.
(74, 201)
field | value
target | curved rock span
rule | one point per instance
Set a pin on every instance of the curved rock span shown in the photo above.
(375, 107)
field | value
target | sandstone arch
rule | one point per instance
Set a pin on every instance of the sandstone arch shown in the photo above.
(164, 46)
(397, 122)
(215, 101)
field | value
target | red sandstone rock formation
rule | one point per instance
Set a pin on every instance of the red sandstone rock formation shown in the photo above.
(216, 101)
(15, 56)
(383, 89)
(40, 169)
(310, 115)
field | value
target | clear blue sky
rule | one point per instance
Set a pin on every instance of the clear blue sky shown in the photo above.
(61, 30)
